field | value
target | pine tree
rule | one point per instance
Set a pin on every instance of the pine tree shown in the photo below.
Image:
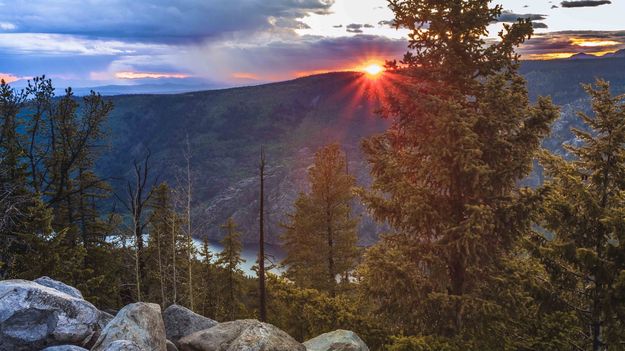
(208, 282)
(585, 215)
(229, 260)
(320, 240)
(445, 174)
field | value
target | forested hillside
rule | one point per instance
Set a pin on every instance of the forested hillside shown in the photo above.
(292, 119)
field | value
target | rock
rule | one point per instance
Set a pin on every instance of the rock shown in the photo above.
(62, 287)
(171, 346)
(338, 340)
(140, 323)
(64, 348)
(241, 335)
(34, 316)
(104, 319)
(180, 322)
(123, 345)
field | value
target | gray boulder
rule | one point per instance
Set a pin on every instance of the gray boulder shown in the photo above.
(62, 287)
(181, 321)
(104, 319)
(123, 345)
(34, 316)
(338, 340)
(65, 348)
(171, 346)
(241, 335)
(140, 323)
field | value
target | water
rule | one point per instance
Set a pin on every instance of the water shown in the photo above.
(249, 253)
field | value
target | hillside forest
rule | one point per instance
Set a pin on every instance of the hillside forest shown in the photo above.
(471, 254)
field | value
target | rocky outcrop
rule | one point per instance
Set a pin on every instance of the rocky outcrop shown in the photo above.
(241, 335)
(64, 348)
(171, 346)
(181, 321)
(57, 285)
(338, 340)
(34, 316)
(123, 345)
(140, 323)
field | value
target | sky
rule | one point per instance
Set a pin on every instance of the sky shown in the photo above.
(90, 43)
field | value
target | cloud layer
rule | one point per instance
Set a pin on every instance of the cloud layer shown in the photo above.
(584, 3)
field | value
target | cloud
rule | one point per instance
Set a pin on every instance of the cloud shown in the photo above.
(160, 20)
(354, 28)
(389, 23)
(508, 16)
(567, 43)
(281, 59)
(539, 25)
(9, 78)
(150, 75)
(584, 3)
(7, 26)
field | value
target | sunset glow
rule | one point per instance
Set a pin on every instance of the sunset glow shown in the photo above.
(373, 69)
(594, 42)
(153, 75)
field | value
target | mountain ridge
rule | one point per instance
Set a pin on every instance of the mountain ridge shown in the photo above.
(292, 119)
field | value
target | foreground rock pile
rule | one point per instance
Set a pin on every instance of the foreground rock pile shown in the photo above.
(48, 315)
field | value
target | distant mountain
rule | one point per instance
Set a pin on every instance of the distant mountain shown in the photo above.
(586, 56)
(620, 53)
(583, 56)
(292, 120)
(166, 88)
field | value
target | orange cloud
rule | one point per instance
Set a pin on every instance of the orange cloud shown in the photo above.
(245, 75)
(152, 75)
(9, 78)
(586, 42)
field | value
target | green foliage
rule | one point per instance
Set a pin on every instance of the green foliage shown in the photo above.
(320, 240)
(305, 313)
(445, 178)
(584, 210)
(412, 343)
(229, 260)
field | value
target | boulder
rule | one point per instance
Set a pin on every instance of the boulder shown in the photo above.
(241, 335)
(62, 287)
(171, 346)
(123, 345)
(104, 319)
(34, 316)
(338, 340)
(181, 321)
(140, 323)
(64, 348)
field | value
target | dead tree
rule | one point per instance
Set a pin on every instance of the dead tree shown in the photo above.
(261, 250)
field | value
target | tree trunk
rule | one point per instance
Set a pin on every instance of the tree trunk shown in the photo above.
(261, 251)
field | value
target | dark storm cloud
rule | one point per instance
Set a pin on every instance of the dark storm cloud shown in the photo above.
(585, 3)
(158, 20)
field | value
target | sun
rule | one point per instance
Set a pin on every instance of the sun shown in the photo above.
(373, 69)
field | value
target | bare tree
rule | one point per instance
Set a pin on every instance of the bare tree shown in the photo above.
(261, 249)
(138, 194)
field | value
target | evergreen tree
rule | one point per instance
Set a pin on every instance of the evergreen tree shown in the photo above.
(445, 173)
(585, 213)
(229, 260)
(208, 284)
(320, 240)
